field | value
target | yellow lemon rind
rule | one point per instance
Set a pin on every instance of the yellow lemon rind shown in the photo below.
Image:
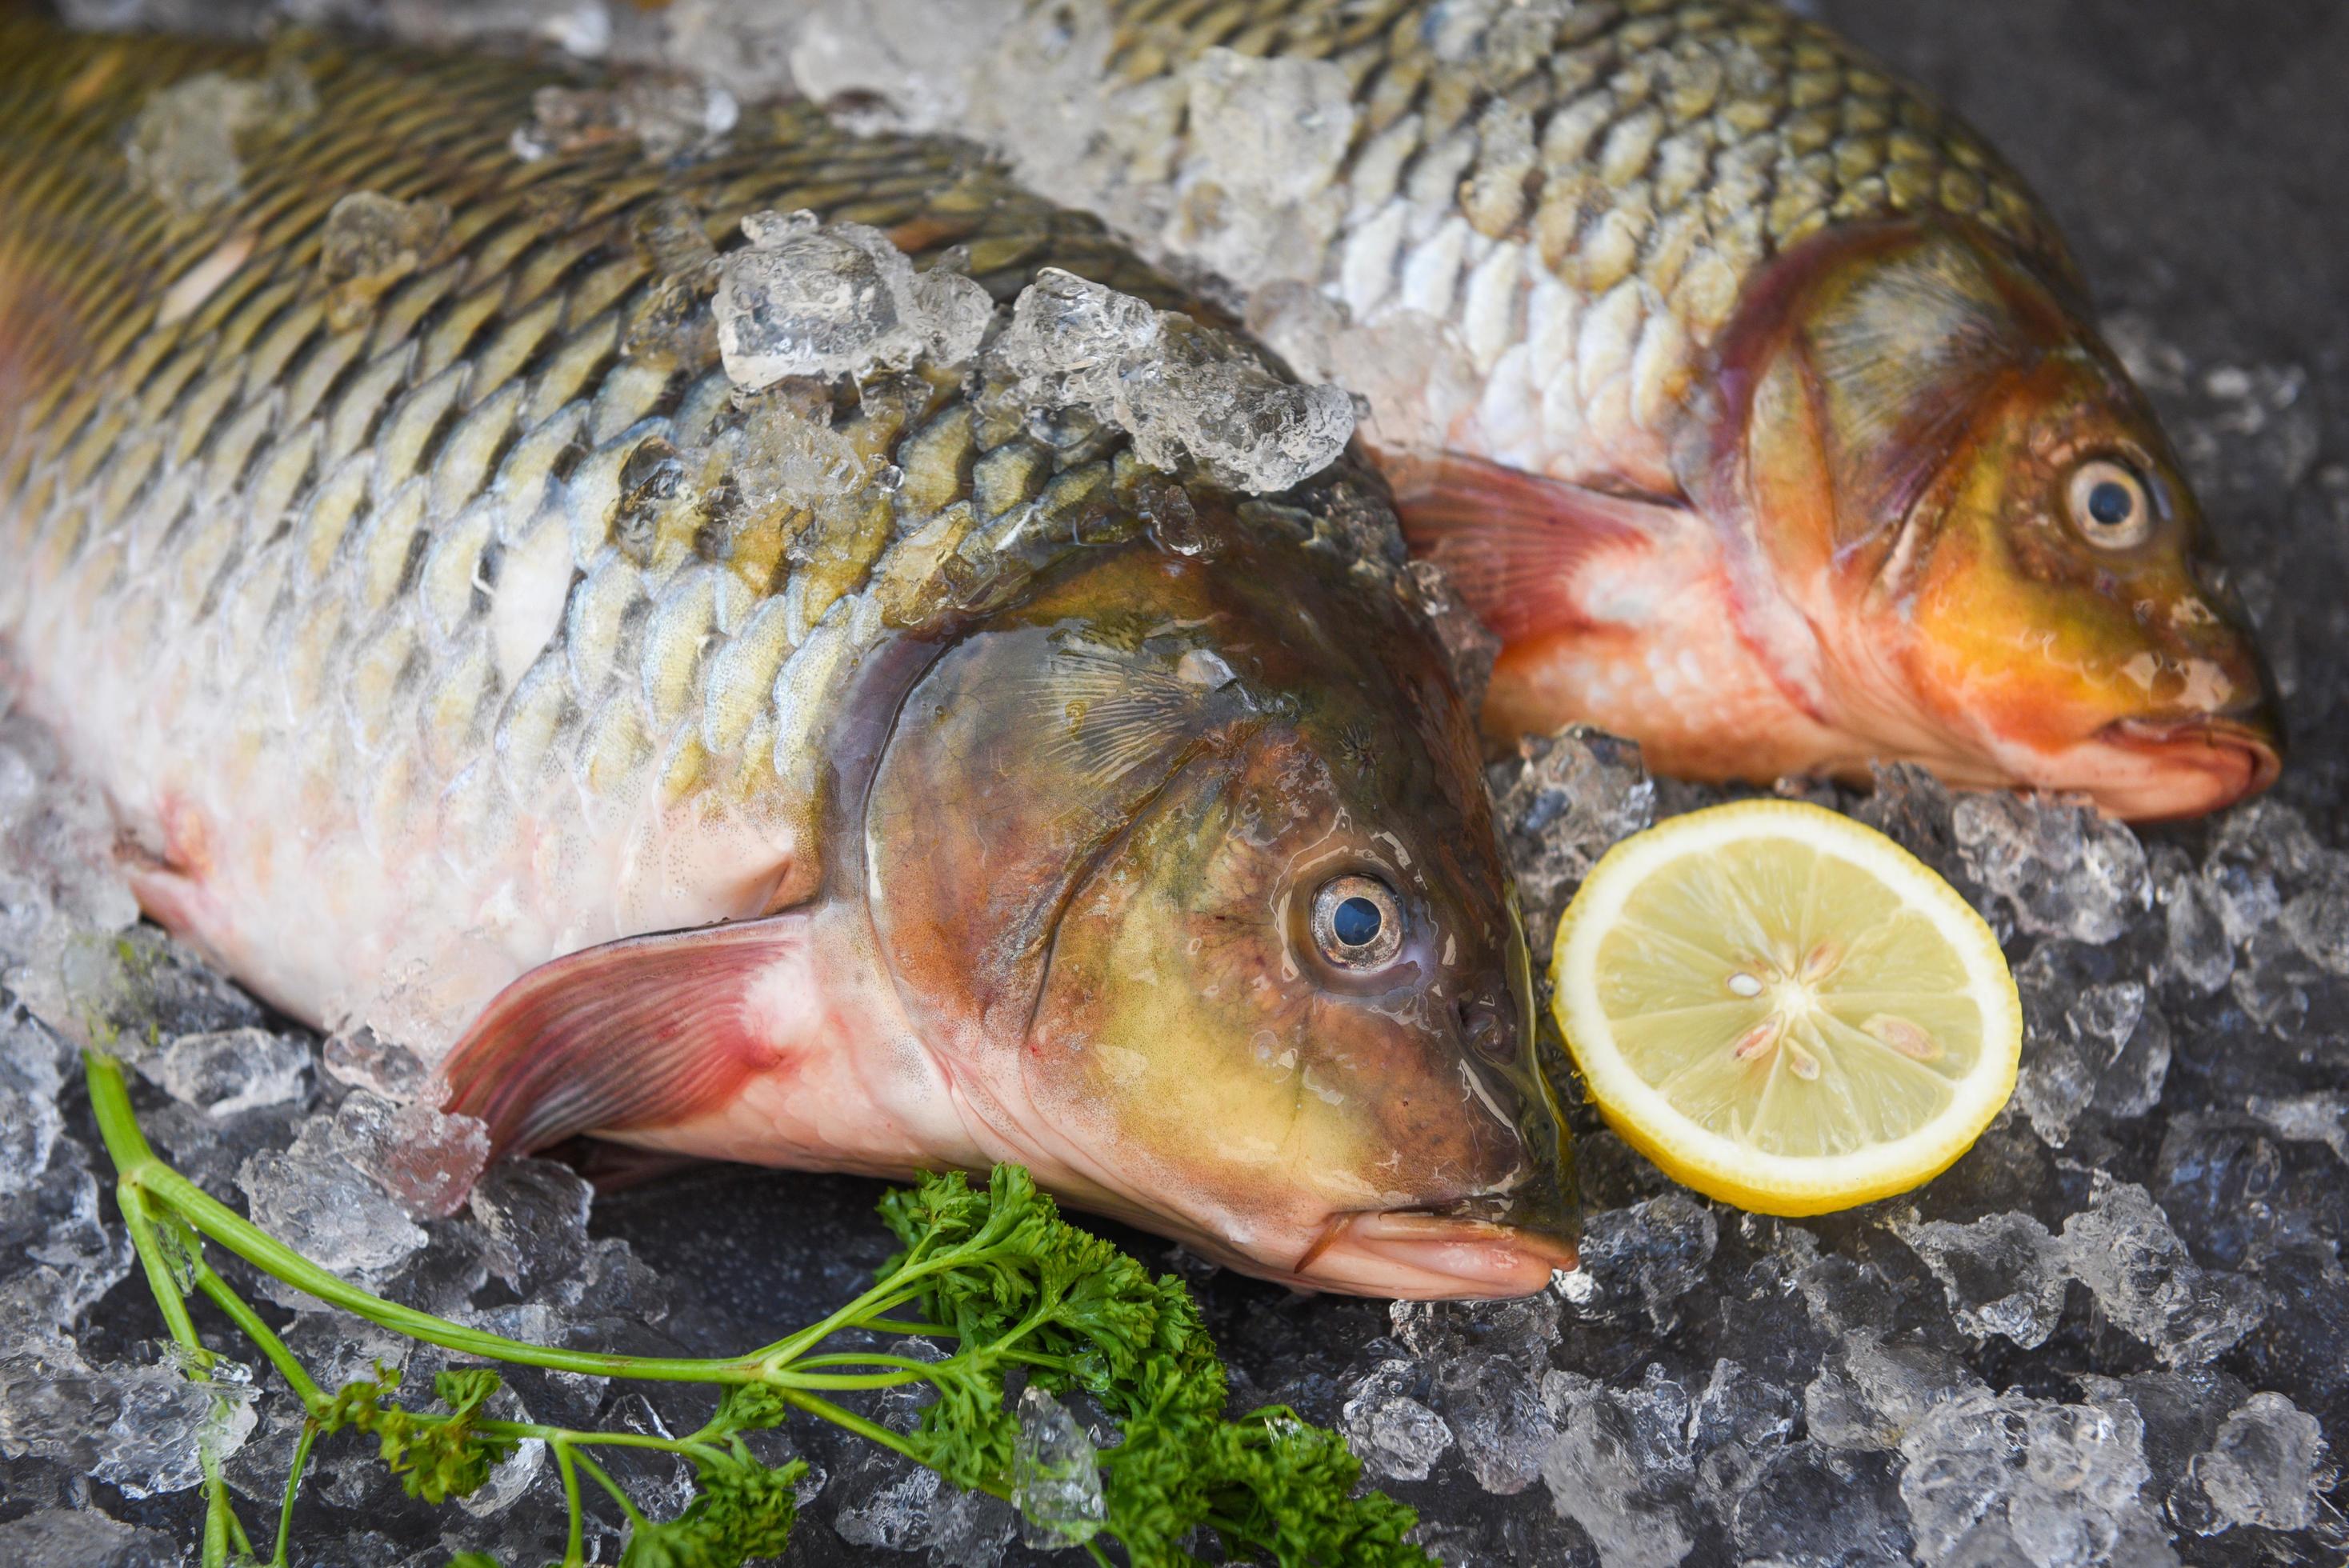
(1789, 1185)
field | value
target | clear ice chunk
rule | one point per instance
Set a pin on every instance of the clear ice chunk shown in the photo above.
(1869, 1396)
(1259, 200)
(319, 1204)
(2066, 871)
(1602, 1472)
(2262, 1469)
(1392, 1433)
(1056, 1482)
(2003, 1274)
(2005, 1478)
(1183, 392)
(84, 1538)
(667, 119)
(184, 148)
(813, 299)
(2077, 1023)
(427, 1159)
(361, 1058)
(1647, 1258)
(371, 241)
(1563, 800)
(2149, 1285)
(225, 1071)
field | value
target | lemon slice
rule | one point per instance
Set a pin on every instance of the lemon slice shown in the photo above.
(1784, 1009)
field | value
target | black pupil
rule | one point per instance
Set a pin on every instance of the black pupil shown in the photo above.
(1356, 921)
(2111, 503)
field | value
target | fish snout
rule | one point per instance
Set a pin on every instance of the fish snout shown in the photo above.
(2198, 763)
(2204, 761)
(1482, 1248)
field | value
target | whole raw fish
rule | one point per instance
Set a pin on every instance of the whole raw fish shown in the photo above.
(1754, 401)
(871, 771)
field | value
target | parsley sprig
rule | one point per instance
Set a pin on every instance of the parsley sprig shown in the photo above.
(1015, 1296)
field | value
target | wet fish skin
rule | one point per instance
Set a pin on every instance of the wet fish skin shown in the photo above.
(1567, 241)
(453, 657)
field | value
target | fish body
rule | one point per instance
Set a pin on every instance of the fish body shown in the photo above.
(876, 772)
(1582, 259)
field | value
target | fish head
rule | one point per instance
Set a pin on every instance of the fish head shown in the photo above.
(1976, 509)
(1229, 951)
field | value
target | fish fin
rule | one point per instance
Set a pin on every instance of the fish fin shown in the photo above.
(1513, 543)
(644, 1032)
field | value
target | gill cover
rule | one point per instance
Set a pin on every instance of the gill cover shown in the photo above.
(1162, 764)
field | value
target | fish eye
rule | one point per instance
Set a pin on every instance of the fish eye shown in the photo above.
(1358, 923)
(2109, 504)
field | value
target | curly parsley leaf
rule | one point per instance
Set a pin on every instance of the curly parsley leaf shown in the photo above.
(741, 1509)
(436, 1456)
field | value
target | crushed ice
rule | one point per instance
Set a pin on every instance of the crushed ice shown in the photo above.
(814, 299)
(1183, 392)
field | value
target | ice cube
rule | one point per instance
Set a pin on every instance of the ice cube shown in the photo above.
(2078, 1018)
(2200, 952)
(2149, 1285)
(744, 45)
(813, 299)
(360, 1058)
(371, 241)
(1393, 1432)
(1562, 803)
(1257, 197)
(1998, 1477)
(667, 119)
(1494, 1409)
(2319, 1118)
(2262, 1469)
(1869, 1394)
(1056, 1483)
(427, 1159)
(230, 1070)
(1648, 1256)
(143, 1428)
(53, 1225)
(2219, 1181)
(184, 147)
(1782, 1518)
(2066, 871)
(84, 1538)
(1605, 1468)
(29, 1081)
(1186, 394)
(533, 1216)
(316, 1201)
(582, 28)
(2003, 1274)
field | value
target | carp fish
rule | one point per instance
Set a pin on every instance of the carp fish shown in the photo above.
(1751, 399)
(475, 626)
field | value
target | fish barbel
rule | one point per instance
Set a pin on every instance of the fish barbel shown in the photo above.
(871, 771)
(1754, 401)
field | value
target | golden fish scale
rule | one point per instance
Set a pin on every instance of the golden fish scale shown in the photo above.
(302, 544)
(1685, 143)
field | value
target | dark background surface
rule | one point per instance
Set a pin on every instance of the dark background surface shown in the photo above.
(2193, 151)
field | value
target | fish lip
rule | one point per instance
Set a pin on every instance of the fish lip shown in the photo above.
(2239, 755)
(1471, 1250)
(1461, 1251)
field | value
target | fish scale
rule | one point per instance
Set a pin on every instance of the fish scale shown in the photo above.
(391, 593)
(1580, 190)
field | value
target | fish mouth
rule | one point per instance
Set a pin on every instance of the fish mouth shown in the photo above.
(1480, 1249)
(2175, 767)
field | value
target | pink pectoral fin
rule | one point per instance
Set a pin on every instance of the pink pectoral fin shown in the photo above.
(639, 1033)
(1514, 544)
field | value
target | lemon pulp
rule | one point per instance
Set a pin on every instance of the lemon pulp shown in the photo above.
(1783, 1008)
